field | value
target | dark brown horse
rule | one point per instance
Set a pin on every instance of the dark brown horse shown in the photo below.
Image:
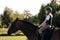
(30, 30)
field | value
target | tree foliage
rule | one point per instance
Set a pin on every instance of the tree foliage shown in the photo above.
(56, 19)
(27, 15)
(9, 16)
(5, 17)
(41, 14)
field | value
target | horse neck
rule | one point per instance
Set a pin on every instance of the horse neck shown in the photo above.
(28, 29)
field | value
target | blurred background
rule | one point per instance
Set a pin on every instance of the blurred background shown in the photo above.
(29, 10)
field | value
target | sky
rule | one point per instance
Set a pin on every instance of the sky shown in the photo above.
(20, 5)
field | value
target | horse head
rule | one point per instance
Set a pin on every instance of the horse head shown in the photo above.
(13, 27)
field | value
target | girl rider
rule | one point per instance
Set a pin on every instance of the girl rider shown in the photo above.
(47, 22)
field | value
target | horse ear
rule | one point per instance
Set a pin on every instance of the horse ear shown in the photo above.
(16, 19)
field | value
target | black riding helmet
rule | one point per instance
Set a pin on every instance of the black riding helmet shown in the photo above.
(48, 8)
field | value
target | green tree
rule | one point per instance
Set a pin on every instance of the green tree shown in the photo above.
(0, 19)
(33, 19)
(58, 8)
(56, 20)
(16, 14)
(41, 15)
(27, 15)
(54, 5)
(5, 17)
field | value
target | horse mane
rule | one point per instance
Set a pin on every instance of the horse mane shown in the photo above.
(29, 23)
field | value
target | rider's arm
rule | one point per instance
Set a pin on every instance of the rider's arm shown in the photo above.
(46, 19)
(44, 23)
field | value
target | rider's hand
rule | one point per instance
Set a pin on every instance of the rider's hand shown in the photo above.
(39, 26)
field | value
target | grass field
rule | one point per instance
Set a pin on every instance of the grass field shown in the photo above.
(4, 36)
(13, 38)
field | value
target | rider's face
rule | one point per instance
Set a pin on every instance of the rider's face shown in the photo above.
(46, 12)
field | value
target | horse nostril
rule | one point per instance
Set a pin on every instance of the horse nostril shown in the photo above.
(9, 33)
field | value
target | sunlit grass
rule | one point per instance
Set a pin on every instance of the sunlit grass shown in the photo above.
(3, 30)
(13, 38)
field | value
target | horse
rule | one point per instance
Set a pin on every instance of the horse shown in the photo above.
(31, 31)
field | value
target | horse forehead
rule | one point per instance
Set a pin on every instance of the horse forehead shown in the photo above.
(19, 23)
